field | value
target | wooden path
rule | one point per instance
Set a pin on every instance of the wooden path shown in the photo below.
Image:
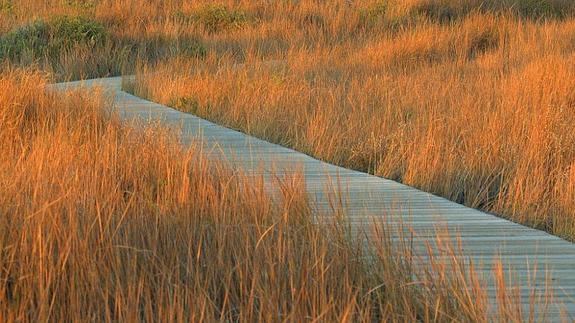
(485, 238)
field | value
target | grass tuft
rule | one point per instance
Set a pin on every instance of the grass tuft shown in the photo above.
(28, 41)
(217, 18)
(69, 31)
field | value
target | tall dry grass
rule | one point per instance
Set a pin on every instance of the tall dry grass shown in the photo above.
(469, 100)
(102, 221)
(152, 31)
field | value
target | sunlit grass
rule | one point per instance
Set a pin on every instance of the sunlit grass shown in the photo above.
(102, 221)
(477, 109)
(110, 222)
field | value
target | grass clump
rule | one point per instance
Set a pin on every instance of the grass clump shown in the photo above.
(51, 38)
(69, 31)
(27, 41)
(217, 18)
(213, 18)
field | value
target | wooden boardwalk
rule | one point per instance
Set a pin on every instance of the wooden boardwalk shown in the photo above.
(531, 255)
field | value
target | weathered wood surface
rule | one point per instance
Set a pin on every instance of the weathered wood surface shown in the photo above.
(529, 254)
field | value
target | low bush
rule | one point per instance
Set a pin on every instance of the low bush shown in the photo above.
(68, 31)
(82, 4)
(51, 38)
(218, 18)
(29, 40)
(213, 18)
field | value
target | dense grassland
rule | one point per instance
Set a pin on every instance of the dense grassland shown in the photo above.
(472, 100)
(102, 221)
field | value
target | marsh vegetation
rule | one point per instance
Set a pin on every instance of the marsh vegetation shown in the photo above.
(101, 220)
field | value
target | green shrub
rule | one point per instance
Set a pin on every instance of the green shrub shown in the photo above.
(27, 41)
(218, 18)
(69, 31)
(51, 38)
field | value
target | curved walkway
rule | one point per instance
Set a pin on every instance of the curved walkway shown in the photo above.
(538, 261)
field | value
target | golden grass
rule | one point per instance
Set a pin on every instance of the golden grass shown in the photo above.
(103, 221)
(476, 107)
(470, 99)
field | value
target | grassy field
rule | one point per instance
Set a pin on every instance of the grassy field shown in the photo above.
(472, 100)
(102, 221)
